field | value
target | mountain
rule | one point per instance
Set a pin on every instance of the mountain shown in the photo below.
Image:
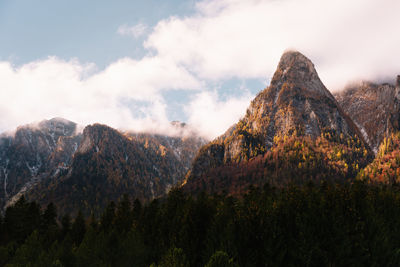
(294, 131)
(375, 108)
(385, 168)
(295, 110)
(108, 163)
(50, 161)
(34, 151)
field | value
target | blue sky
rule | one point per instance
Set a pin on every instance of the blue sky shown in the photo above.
(138, 65)
(87, 31)
(32, 30)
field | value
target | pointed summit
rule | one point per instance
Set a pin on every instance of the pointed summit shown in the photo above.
(294, 63)
(296, 100)
(296, 104)
(297, 71)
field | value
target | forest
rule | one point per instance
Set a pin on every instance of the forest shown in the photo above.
(324, 224)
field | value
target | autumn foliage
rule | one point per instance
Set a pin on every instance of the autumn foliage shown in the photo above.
(386, 166)
(293, 158)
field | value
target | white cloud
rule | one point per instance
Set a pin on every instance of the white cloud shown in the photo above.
(229, 38)
(54, 87)
(135, 31)
(212, 116)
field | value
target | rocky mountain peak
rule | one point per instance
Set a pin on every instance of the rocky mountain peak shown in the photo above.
(398, 81)
(96, 130)
(34, 151)
(298, 71)
(94, 135)
(374, 108)
(294, 63)
(50, 162)
(296, 100)
(295, 104)
(58, 126)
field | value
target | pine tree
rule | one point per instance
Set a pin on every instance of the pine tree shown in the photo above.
(123, 216)
(65, 225)
(174, 258)
(107, 218)
(49, 217)
(220, 259)
(78, 229)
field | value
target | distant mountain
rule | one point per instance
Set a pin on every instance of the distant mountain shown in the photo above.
(375, 108)
(34, 151)
(296, 109)
(50, 162)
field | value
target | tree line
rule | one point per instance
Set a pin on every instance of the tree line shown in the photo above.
(310, 225)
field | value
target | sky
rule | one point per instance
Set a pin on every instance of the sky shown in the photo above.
(137, 65)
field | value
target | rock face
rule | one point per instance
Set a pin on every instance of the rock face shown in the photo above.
(34, 151)
(178, 150)
(375, 108)
(107, 163)
(295, 102)
(50, 161)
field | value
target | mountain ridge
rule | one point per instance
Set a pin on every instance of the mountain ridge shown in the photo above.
(294, 130)
(296, 103)
(45, 153)
(375, 108)
(32, 150)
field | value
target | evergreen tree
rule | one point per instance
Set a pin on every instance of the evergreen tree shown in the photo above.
(174, 258)
(107, 218)
(220, 259)
(136, 210)
(28, 253)
(16, 223)
(65, 255)
(49, 229)
(78, 229)
(123, 215)
(49, 217)
(91, 250)
(65, 225)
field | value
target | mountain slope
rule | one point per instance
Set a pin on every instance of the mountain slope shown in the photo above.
(385, 168)
(31, 152)
(108, 164)
(296, 104)
(375, 108)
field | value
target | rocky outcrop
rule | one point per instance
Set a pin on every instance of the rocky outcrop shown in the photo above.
(34, 151)
(296, 102)
(108, 163)
(50, 161)
(375, 108)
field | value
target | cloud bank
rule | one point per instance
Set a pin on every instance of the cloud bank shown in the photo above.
(347, 40)
(68, 89)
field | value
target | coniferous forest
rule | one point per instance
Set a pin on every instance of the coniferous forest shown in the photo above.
(311, 225)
